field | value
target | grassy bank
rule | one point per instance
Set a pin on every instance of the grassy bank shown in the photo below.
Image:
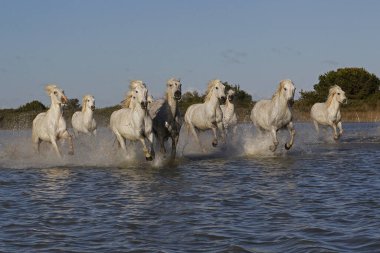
(15, 119)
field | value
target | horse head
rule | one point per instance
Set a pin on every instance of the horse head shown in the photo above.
(150, 100)
(216, 89)
(286, 89)
(174, 88)
(230, 95)
(88, 103)
(139, 93)
(56, 94)
(338, 94)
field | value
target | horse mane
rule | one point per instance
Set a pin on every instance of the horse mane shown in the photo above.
(211, 85)
(50, 87)
(84, 102)
(127, 100)
(332, 92)
(136, 83)
(280, 88)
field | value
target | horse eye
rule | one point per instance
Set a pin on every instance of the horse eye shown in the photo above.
(170, 85)
(338, 93)
(55, 92)
(216, 88)
(137, 92)
(284, 88)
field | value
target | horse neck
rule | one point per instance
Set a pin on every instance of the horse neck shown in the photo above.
(334, 106)
(213, 103)
(87, 115)
(138, 113)
(172, 104)
(280, 104)
(230, 105)
(55, 111)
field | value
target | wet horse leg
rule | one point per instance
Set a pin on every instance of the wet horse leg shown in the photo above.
(273, 133)
(292, 133)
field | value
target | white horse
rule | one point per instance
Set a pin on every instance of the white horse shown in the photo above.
(229, 115)
(50, 126)
(133, 122)
(83, 121)
(272, 115)
(328, 113)
(166, 116)
(207, 115)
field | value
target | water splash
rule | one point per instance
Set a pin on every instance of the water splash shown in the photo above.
(102, 151)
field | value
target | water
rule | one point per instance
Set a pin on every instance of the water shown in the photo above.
(321, 196)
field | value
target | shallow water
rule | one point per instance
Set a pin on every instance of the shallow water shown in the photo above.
(321, 196)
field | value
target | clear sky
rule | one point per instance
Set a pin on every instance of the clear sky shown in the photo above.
(97, 47)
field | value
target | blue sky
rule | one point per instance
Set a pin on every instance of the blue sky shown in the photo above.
(97, 47)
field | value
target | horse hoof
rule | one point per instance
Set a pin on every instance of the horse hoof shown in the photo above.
(272, 148)
(149, 158)
(287, 147)
(336, 138)
(214, 144)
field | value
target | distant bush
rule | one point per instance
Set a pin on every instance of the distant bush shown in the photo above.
(34, 106)
(361, 87)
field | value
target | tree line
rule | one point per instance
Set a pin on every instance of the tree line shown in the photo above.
(362, 90)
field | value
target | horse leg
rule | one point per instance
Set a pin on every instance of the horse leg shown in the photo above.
(174, 146)
(336, 136)
(162, 144)
(222, 131)
(36, 143)
(150, 140)
(340, 128)
(292, 133)
(55, 146)
(121, 142)
(273, 133)
(148, 156)
(66, 135)
(316, 126)
(194, 132)
(214, 128)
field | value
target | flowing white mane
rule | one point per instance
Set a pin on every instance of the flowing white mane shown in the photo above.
(136, 83)
(332, 91)
(127, 100)
(211, 85)
(84, 102)
(280, 88)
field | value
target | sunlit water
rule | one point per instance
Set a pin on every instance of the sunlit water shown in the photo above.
(321, 196)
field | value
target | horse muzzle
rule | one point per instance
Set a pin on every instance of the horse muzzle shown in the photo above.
(64, 100)
(144, 105)
(92, 107)
(230, 98)
(223, 99)
(177, 95)
(291, 102)
(345, 101)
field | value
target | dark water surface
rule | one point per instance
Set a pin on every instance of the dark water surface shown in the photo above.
(321, 196)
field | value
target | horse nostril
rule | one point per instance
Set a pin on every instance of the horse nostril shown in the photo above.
(93, 107)
(177, 94)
